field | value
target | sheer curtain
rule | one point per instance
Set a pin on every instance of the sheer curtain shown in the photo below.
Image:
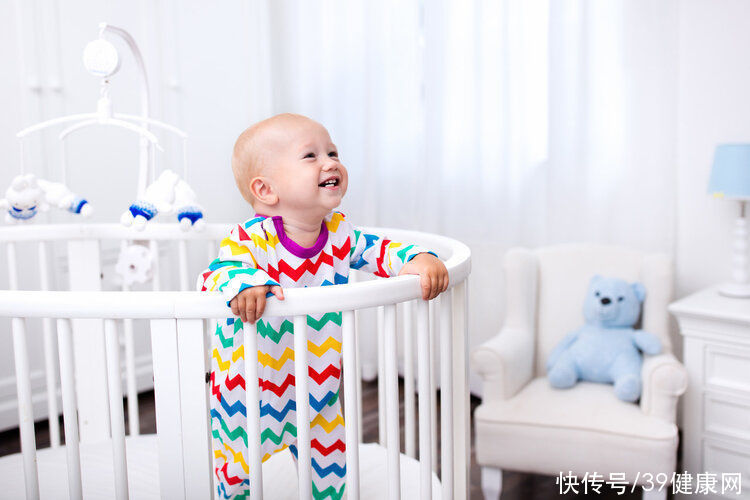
(501, 123)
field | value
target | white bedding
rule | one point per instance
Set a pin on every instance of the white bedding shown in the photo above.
(143, 477)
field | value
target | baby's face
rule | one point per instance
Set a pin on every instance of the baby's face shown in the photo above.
(305, 170)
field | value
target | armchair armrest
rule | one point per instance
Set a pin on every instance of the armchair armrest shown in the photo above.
(664, 381)
(505, 363)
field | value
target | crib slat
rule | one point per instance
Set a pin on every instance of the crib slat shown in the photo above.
(156, 277)
(50, 366)
(50, 372)
(433, 383)
(183, 263)
(134, 424)
(10, 249)
(252, 407)
(116, 417)
(461, 422)
(25, 409)
(196, 444)
(84, 269)
(303, 406)
(382, 431)
(359, 372)
(23, 387)
(445, 332)
(350, 399)
(168, 418)
(391, 386)
(354, 278)
(425, 433)
(70, 419)
(409, 410)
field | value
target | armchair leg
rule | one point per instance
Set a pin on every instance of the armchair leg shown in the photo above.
(492, 483)
(655, 494)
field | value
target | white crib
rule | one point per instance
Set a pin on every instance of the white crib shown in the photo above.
(99, 460)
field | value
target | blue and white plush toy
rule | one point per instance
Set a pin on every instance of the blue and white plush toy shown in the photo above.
(606, 348)
(166, 195)
(27, 195)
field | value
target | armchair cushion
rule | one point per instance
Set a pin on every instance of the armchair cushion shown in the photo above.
(664, 381)
(586, 428)
(505, 362)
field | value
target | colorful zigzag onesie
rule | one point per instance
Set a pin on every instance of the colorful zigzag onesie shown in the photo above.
(259, 252)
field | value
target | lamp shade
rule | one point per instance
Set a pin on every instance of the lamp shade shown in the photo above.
(730, 175)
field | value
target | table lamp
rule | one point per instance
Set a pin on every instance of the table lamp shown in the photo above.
(730, 179)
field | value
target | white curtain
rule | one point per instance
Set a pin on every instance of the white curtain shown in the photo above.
(501, 123)
(498, 122)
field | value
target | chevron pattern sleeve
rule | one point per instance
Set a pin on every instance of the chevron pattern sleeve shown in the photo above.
(237, 266)
(381, 256)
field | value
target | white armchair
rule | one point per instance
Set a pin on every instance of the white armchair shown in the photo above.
(524, 424)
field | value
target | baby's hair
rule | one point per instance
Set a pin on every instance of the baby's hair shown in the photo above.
(247, 157)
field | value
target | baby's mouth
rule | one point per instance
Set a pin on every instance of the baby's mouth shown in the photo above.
(330, 183)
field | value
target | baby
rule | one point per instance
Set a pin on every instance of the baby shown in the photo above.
(289, 170)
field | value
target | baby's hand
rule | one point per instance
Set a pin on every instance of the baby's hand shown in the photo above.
(250, 303)
(433, 276)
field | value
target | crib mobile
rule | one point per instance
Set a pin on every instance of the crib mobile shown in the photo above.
(166, 194)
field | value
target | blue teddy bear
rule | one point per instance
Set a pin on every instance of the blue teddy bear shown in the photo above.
(606, 348)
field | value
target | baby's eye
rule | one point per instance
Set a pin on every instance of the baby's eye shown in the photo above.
(309, 155)
(333, 154)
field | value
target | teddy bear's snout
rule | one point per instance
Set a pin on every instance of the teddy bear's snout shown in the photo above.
(606, 301)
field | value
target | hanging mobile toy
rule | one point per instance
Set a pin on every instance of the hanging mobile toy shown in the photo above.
(158, 198)
(189, 213)
(167, 194)
(28, 195)
(57, 194)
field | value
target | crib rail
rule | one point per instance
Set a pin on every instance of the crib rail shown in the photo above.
(179, 346)
(84, 262)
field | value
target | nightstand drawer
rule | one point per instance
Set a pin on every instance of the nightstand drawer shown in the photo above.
(728, 458)
(727, 415)
(727, 368)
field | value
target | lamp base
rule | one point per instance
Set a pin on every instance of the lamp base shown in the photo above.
(735, 290)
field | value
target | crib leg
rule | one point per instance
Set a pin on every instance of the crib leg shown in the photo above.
(492, 483)
(369, 371)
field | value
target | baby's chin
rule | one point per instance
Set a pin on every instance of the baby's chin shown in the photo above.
(335, 205)
(334, 200)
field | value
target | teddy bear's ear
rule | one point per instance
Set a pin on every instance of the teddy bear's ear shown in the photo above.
(594, 279)
(639, 290)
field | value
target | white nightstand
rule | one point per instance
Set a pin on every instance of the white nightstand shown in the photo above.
(716, 416)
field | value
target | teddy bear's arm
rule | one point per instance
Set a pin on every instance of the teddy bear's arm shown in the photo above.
(647, 342)
(566, 342)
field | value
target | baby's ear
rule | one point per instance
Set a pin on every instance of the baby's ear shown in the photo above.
(262, 191)
(639, 290)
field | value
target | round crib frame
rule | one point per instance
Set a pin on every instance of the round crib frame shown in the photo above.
(180, 362)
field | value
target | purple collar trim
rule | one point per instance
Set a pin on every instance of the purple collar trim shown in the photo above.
(296, 249)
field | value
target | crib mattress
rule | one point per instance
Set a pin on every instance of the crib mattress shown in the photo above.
(143, 481)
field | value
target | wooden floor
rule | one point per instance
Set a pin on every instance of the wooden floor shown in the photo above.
(516, 485)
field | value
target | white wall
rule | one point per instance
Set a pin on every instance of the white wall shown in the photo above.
(714, 107)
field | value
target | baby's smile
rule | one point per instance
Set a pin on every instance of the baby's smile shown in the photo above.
(331, 182)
